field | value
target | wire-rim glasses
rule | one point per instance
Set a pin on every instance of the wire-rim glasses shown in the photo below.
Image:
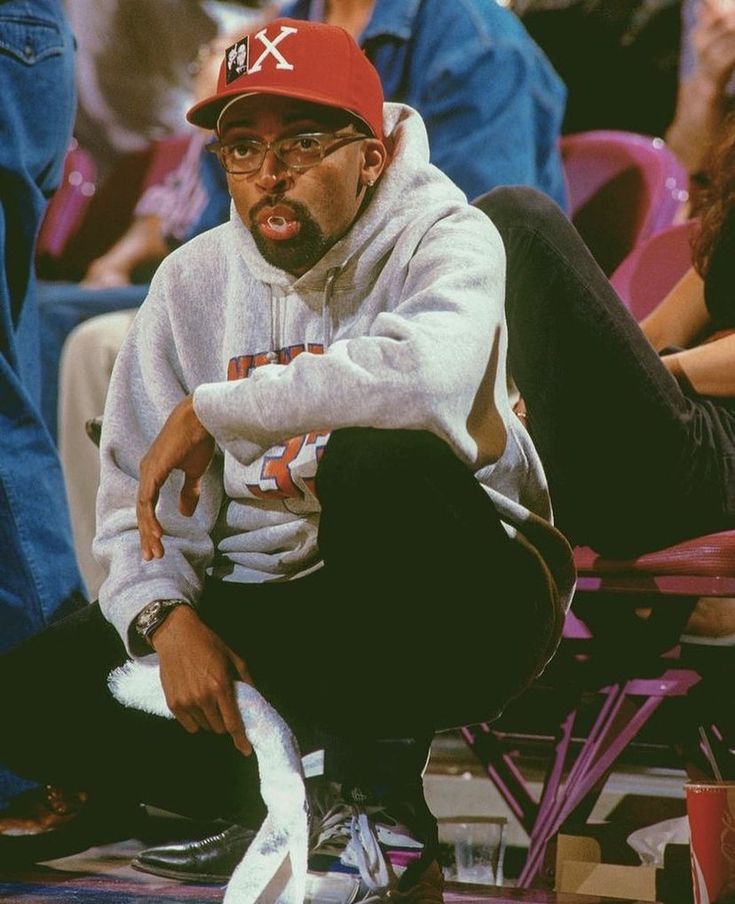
(298, 152)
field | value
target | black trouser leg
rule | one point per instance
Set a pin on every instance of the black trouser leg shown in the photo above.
(60, 724)
(424, 616)
(623, 448)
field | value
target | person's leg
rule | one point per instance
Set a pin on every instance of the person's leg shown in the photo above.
(62, 307)
(84, 376)
(619, 440)
(426, 615)
(61, 725)
(38, 573)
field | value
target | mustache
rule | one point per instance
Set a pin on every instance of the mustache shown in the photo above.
(273, 200)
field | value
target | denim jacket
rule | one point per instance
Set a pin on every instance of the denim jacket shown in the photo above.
(492, 103)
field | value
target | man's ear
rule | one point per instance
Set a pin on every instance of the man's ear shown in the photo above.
(374, 160)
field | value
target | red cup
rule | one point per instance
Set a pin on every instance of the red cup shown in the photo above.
(711, 811)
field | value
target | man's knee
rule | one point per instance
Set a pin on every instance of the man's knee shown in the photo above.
(513, 205)
(366, 454)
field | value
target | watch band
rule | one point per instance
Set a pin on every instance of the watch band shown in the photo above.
(153, 615)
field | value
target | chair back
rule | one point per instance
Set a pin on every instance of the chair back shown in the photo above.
(623, 188)
(84, 219)
(654, 267)
(67, 208)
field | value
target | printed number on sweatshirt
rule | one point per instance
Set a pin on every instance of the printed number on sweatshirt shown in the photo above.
(287, 470)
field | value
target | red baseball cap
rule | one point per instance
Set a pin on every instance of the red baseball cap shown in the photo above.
(308, 61)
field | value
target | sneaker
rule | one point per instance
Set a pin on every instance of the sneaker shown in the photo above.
(386, 849)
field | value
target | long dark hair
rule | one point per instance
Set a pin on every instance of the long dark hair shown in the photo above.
(717, 198)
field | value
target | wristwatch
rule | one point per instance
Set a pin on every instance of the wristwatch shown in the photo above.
(154, 615)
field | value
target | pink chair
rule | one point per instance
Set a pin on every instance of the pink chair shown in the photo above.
(654, 267)
(84, 219)
(629, 689)
(67, 208)
(623, 188)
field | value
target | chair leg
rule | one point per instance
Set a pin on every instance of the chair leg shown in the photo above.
(503, 772)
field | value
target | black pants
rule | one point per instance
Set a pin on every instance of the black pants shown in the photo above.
(633, 464)
(424, 616)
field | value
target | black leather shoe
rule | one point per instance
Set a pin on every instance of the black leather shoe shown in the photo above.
(212, 859)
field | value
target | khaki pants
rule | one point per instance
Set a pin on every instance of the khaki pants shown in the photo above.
(86, 365)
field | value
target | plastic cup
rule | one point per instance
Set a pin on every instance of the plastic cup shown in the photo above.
(472, 849)
(711, 812)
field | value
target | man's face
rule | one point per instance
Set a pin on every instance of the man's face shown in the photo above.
(295, 217)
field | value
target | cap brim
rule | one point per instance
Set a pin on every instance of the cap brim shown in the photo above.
(207, 112)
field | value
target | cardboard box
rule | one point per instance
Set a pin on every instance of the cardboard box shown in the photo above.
(580, 869)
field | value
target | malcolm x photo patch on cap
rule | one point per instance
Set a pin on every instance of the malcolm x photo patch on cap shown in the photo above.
(237, 60)
(238, 56)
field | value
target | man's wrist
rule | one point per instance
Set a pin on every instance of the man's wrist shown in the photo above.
(152, 616)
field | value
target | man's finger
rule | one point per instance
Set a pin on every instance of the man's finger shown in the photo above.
(190, 493)
(241, 667)
(185, 718)
(149, 527)
(211, 713)
(233, 724)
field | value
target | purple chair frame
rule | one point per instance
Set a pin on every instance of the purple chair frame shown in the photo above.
(701, 567)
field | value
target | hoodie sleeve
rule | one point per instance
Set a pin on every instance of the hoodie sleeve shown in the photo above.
(148, 380)
(422, 365)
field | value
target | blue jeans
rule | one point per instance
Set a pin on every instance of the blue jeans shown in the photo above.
(38, 571)
(63, 306)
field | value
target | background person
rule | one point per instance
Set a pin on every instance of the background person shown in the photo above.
(38, 572)
(635, 424)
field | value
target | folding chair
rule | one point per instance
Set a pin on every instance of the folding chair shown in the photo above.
(630, 689)
(623, 188)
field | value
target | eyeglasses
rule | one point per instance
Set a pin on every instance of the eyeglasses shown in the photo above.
(298, 152)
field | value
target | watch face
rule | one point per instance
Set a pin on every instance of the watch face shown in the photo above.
(149, 617)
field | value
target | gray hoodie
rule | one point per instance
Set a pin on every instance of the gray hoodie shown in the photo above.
(399, 325)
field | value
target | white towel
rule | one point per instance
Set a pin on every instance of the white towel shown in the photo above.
(274, 866)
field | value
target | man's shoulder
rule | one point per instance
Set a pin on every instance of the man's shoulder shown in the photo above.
(201, 247)
(204, 260)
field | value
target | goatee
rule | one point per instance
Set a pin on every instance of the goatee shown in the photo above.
(296, 255)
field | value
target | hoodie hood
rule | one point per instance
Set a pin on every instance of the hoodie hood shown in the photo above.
(371, 236)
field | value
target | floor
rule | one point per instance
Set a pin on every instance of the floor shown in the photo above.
(455, 786)
(103, 876)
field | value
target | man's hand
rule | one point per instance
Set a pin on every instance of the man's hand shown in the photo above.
(183, 443)
(198, 671)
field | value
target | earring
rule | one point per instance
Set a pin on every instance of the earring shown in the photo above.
(370, 183)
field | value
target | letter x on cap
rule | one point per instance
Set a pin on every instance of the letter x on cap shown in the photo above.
(308, 61)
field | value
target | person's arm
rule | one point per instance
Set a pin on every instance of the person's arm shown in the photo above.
(702, 100)
(681, 318)
(148, 380)
(421, 366)
(708, 368)
(197, 667)
(198, 671)
(142, 243)
(435, 361)
(680, 321)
